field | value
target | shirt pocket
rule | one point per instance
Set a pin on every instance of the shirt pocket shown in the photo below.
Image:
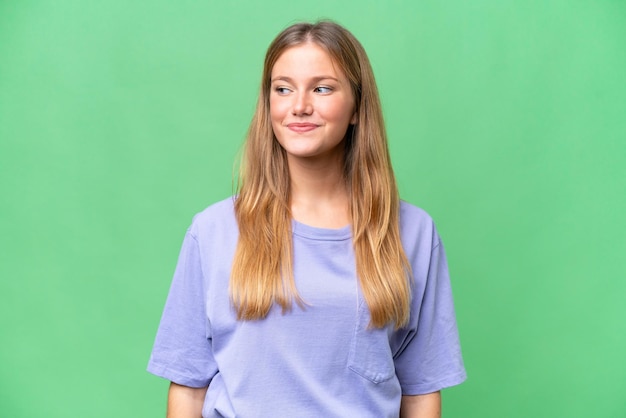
(370, 353)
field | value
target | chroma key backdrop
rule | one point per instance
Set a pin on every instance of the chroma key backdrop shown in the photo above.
(119, 120)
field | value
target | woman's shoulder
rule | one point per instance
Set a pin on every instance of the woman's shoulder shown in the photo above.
(416, 223)
(219, 215)
(414, 214)
(219, 208)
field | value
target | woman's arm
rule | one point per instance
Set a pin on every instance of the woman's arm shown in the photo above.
(185, 402)
(421, 406)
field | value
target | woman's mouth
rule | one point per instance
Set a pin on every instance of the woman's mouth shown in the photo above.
(301, 127)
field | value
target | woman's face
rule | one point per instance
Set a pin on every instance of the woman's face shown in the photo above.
(311, 104)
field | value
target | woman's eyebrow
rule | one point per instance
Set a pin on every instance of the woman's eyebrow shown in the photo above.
(312, 79)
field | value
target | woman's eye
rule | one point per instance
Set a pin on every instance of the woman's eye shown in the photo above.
(323, 89)
(281, 90)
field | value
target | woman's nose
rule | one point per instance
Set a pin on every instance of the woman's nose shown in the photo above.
(302, 105)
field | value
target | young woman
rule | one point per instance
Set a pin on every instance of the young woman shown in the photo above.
(315, 292)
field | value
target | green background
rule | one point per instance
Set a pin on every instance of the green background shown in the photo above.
(121, 119)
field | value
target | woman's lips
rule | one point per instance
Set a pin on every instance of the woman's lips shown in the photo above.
(301, 127)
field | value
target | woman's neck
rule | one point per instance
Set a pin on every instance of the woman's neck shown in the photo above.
(319, 195)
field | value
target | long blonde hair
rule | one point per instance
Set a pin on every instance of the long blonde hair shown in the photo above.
(262, 272)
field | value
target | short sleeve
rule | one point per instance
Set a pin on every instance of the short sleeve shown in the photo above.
(430, 358)
(182, 350)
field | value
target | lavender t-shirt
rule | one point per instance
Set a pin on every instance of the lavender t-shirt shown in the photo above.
(320, 361)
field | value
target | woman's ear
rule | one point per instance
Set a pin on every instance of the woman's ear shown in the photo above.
(355, 118)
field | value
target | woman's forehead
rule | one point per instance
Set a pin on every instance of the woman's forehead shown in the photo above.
(306, 59)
